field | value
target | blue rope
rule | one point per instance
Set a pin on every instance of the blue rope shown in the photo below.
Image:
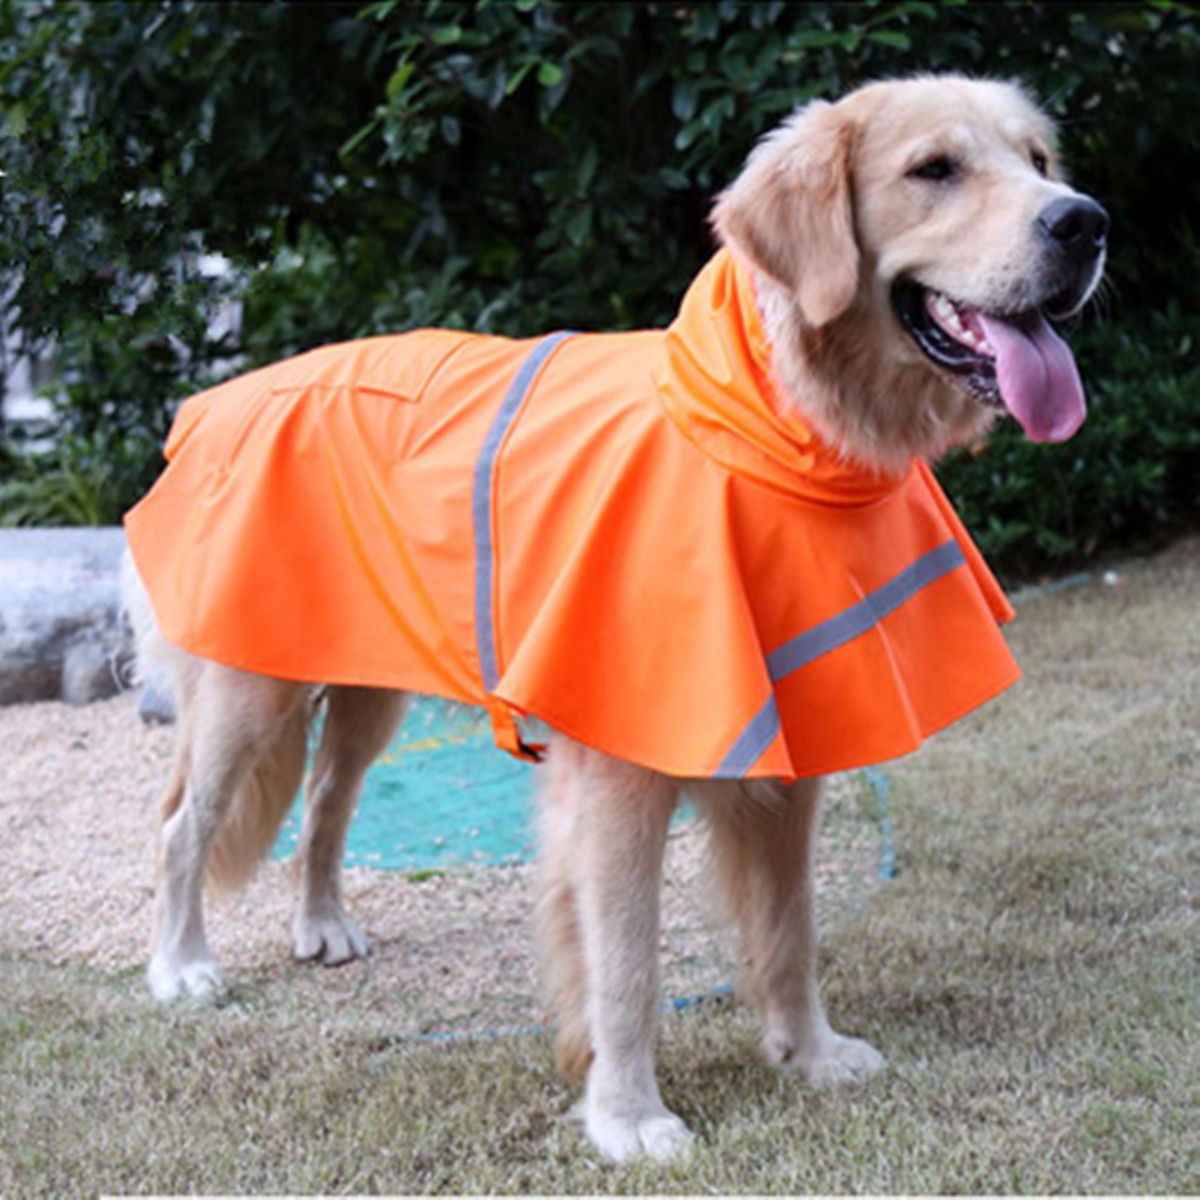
(1066, 583)
(880, 786)
(473, 1035)
(477, 1035)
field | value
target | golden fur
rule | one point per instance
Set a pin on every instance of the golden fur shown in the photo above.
(830, 215)
(827, 214)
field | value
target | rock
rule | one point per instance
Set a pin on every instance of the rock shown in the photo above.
(89, 669)
(61, 632)
(157, 706)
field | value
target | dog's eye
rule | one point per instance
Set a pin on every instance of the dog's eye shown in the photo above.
(937, 169)
(1041, 164)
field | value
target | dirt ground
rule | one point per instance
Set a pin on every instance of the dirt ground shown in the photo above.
(78, 791)
(451, 951)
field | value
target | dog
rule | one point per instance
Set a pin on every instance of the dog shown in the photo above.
(888, 263)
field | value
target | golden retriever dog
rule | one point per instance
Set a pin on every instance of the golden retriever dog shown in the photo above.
(906, 245)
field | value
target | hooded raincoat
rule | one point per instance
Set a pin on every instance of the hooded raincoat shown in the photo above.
(629, 536)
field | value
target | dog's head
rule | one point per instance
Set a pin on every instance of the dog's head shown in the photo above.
(911, 242)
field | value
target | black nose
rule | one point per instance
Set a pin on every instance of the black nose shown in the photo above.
(1076, 224)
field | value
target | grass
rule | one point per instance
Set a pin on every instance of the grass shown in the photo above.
(1031, 975)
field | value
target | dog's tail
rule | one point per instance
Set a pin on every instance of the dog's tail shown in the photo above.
(261, 802)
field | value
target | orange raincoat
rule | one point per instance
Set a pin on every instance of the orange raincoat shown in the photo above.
(628, 536)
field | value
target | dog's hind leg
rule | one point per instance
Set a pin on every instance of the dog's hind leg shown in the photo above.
(764, 841)
(233, 725)
(359, 724)
(622, 813)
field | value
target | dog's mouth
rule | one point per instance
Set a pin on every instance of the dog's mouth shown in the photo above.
(1013, 361)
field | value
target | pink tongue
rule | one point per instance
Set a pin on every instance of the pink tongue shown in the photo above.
(1038, 380)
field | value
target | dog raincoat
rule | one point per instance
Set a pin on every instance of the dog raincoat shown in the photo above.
(629, 536)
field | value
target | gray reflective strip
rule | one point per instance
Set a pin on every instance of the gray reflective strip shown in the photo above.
(481, 507)
(864, 615)
(829, 635)
(752, 744)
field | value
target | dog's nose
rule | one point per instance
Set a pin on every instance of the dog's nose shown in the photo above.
(1076, 224)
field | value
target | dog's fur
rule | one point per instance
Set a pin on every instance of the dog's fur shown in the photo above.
(830, 211)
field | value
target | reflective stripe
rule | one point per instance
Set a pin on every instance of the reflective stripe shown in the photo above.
(753, 742)
(829, 635)
(864, 615)
(481, 507)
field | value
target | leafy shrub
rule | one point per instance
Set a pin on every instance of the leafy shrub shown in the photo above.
(523, 166)
(81, 481)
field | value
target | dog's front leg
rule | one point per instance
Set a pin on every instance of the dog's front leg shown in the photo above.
(764, 838)
(624, 813)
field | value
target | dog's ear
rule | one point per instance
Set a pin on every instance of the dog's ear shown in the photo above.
(790, 212)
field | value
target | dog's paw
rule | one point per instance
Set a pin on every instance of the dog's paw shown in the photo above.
(332, 936)
(833, 1061)
(171, 979)
(627, 1134)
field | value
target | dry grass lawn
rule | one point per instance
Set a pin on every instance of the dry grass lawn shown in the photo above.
(1032, 975)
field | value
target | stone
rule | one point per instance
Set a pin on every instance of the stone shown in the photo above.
(157, 706)
(89, 669)
(61, 632)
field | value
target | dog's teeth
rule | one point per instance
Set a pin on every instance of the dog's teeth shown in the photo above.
(948, 314)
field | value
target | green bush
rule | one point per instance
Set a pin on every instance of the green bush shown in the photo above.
(516, 167)
(80, 481)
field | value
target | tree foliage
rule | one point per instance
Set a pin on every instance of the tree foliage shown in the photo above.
(511, 167)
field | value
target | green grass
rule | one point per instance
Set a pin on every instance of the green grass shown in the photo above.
(425, 875)
(1031, 975)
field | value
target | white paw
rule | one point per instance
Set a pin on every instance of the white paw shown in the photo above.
(330, 936)
(628, 1134)
(169, 979)
(835, 1060)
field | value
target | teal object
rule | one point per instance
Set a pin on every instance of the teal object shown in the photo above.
(442, 795)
